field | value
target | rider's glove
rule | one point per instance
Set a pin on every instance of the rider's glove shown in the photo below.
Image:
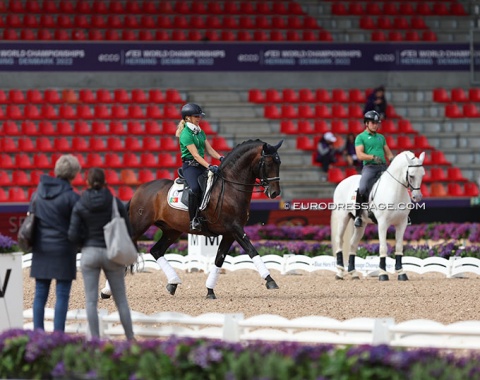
(221, 158)
(377, 160)
(213, 168)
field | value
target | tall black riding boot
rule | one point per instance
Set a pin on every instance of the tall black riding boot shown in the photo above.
(195, 224)
(358, 212)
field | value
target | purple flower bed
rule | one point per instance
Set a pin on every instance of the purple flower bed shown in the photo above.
(314, 240)
(39, 355)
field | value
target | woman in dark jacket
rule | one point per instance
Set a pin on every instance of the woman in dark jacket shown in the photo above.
(53, 255)
(90, 214)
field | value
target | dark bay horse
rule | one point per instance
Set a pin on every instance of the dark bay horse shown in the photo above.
(226, 213)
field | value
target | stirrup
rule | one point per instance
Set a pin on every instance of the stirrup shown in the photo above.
(358, 222)
(195, 225)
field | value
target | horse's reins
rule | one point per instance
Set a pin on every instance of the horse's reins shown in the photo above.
(264, 182)
(407, 186)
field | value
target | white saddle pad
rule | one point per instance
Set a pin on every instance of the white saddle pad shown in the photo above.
(174, 196)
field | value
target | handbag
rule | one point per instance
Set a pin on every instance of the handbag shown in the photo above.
(120, 247)
(25, 233)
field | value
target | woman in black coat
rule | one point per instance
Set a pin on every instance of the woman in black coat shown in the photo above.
(53, 255)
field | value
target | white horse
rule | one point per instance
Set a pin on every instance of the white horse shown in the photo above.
(389, 203)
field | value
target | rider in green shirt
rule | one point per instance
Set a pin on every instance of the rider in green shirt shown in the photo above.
(193, 144)
(372, 149)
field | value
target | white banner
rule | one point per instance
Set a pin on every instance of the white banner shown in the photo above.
(11, 291)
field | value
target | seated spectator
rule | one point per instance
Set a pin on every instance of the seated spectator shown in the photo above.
(350, 154)
(376, 101)
(326, 151)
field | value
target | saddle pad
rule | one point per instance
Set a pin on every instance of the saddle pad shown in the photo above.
(174, 196)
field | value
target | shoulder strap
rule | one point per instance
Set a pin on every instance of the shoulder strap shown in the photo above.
(115, 213)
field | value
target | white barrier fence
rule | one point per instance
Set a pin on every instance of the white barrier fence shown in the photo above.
(453, 267)
(311, 329)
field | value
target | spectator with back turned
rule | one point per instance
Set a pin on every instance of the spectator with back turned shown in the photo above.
(54, 257)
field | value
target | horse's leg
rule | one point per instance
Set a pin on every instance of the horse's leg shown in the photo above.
(382, 237)
(338, 241)
(354, 241)
(158, 251)
(399, 232)
(242, 239)
(222, 251)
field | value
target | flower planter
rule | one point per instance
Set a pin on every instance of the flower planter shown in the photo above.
(11, 291)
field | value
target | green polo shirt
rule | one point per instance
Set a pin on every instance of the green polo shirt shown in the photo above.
(373, 144)
(187, 137)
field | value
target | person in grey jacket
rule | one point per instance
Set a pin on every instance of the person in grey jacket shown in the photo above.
(53, 254)
(90, 214)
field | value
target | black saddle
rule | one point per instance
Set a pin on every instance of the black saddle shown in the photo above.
(202, 181)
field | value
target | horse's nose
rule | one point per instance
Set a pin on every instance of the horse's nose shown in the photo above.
(274, 194)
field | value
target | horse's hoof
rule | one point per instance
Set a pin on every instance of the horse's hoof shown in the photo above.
(337, 277)
(104, 296)
(383, 277)
(271, 285)
(171, 288)
(402, 277)
(211, 296)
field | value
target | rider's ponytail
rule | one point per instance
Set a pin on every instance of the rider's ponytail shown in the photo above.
(180, 127)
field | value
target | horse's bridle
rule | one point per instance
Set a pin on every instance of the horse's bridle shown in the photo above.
(262, 176)
(408, 185)
(265, 181)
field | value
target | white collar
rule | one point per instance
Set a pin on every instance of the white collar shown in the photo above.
(194, 128)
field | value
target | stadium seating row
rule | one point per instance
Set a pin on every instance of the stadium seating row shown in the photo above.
(421, 8)
(112, 21)
(86, 111)
(86, 95)
(306, 95)
(339, 126)
(27, 179)
(95, 127)
(409, 35)
(466, 110)
(216, 7)
(398, 22)
(435, 189)
(82, 144)
(61, 143)
(398, 143)
(456, 94)
(308, 111)
(166, 35)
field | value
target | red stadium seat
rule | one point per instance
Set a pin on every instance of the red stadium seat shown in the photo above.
(153, 128)
(52, 96)
(10, 128)
(117, 128)
(404, 142)
(17, 194)
(471, 189)
(125, 193)
(64, 128)
(438, 190)
(80, 144)
(8, 145)
(97, 144)
(459, 95)
(148, 160)
(113, 160)
(453, 111)
(335, 175)
(132, 144)
(441, 95)
(455, 174)
(150, 144)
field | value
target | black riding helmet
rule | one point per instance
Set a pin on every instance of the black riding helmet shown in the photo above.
(191, 109)
(371, 116)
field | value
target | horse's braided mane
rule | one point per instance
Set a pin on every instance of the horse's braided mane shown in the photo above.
(239, 150)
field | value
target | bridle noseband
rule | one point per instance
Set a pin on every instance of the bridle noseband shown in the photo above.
(264, 180)
(408, 186)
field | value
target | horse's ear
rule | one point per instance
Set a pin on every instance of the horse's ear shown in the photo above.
(421, 158)
(278, 145)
